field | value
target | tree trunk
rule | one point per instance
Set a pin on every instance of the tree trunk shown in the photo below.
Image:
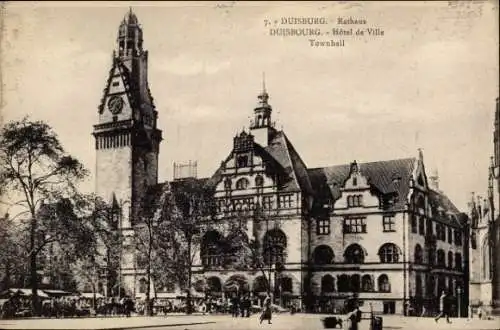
(148, 275)
(33, 270)
(188, 295)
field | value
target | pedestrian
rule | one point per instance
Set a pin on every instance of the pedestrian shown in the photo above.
(444, 307)
(266, 311)
(354, 317)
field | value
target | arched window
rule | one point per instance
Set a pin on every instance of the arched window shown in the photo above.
(418, 285)
(419, 255)
(274, 247)
(211, 251)
(458, 261)
(214, 284)
(350, 201)
(450, 259)
(343, 283)
(327, 284)
(441, 258)
(355, 283)
(367, 283)
(354, 254)
(142, 285)
(242, 184)
(323, 255)
(383, 283)
(389, 253)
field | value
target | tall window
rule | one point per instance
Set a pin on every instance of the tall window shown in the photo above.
(211, 254)
(366, 283)
(421, 225)
(450, 235)
(389, 253)
(389, 224)
(429, 227)
(354, 200)
(242, 184)
(323, 255)
(354, 254)
(441, 258)
(450, 259)
(355, 283)
(458, 237)
(327, 284)
(383, 283)
(418, 285)
(323, 226)
(143, 285)
(354, 225)
(419, 255)
(458, 261)
(414, 224)
(242, 161)
(285, 201)
(432, 256)
(274, 247)
(267, 202)
(343, 283)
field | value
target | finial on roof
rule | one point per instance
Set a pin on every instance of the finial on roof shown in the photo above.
(420, 155)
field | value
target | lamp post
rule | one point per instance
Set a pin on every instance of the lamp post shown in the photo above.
(459, 298)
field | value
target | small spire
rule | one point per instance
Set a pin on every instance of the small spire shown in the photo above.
(263, 96)
(263, 82)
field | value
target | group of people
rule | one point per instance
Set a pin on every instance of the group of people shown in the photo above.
(240, 306)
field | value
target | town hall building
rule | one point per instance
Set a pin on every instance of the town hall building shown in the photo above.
(381, 231)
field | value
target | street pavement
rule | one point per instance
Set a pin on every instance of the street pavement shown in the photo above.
(223, 322)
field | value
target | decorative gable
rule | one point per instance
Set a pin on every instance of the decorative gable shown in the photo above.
(356, 180)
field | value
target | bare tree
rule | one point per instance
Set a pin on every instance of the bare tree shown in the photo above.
(34, 166)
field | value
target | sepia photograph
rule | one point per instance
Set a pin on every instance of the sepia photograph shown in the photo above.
(249, 165)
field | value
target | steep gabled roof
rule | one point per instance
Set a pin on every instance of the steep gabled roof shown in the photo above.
(388, 177)
(451, 215)
(282, 150)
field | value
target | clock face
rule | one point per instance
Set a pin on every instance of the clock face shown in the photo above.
(115, 104)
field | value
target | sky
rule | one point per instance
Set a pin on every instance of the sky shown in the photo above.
(429, 82)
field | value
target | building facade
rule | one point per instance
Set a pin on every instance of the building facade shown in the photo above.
(484, 254)
(377, 231)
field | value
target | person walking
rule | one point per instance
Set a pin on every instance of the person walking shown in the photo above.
(444, 307)
(266, 311)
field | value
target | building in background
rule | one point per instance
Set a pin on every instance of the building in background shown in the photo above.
(484, 241)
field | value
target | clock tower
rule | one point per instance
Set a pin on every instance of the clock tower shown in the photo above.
(127, 140)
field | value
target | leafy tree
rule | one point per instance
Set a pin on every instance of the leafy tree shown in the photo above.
(11, 256)
(170, 234)
(35, 167)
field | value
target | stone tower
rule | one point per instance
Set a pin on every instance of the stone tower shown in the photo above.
(127, 140)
